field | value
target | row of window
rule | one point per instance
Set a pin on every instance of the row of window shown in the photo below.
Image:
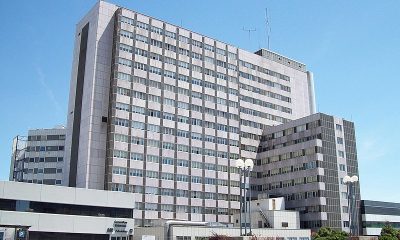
(64, 209)
(292, 130)
(198, 44)
(173, 117)
(156, 128)
(44, 159)
(46, 137)
(175, 103)
(43, 181)
(264, 70)
(289, 183)
(174, 192)
(173, 176)
(265, 92)
(174, 89)
(42, 170)
(265, 104)
(288, 169)
(183, 163)
(177, 147)
(167, 73)
(289, 143)
(182, 209)
(200, 82)
(263, 115)
(169, 60)
(289, 155)
(173, 35)
(194, 121)
(179, 133)
(263, 81)
(44, 148)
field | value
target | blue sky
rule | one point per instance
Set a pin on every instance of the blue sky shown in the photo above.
(353, 48)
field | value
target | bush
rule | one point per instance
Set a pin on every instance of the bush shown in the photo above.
(326, 233)
(389, 233)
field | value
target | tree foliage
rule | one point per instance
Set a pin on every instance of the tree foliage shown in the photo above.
(389, 233)
(216, 236)
(326, 233)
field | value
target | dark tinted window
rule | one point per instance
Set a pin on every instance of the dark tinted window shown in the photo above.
(66, 209)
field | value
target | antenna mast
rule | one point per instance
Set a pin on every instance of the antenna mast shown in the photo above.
(267, 27)
(249, 30)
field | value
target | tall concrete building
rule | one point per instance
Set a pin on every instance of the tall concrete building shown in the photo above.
(164, 112)
(305, 161)
(39, 157)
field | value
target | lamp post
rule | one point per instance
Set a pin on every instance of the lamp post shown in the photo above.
(350, 182)
(245, 167)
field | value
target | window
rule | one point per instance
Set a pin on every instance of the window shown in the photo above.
(342, 167)
(140, 52)
(168, 161)
(183, 78)
(169, 60)
(167, 130)
(138, 125)
(184, 39)
(344, 195)
(170, 34)
(137, 140)
(170, 74)
(126, 34)
(220, 51)
(339, 140)
(156, 43)
(119, 170)
(339, 127)
(125, 62)
(155, 56)
(182, 133)
(182, 178)
(156, 30)
(167, 145)
(168, 116)
(345, 209)
(182, 163)
(125, 48)
(151, 174)
(136, 173)
(141, 38)
(183, 105)
(136, 157)
(142, 25)
(153, 113)
(155, 70)
(341, 154)
(152, 158)
(153, 143)
(183, 119)
(183, 64)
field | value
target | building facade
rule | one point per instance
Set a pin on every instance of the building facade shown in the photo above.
(305, 161)
(376, 214)
(164, 112)
(39, 157)
(44, 212)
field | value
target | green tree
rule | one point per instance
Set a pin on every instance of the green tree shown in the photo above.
(389, 233)
(326, 233)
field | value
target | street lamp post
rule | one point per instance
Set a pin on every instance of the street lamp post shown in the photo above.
(245, 167)
(351, 196)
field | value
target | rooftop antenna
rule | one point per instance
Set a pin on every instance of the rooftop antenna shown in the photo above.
(267, 27)
(249, 30)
